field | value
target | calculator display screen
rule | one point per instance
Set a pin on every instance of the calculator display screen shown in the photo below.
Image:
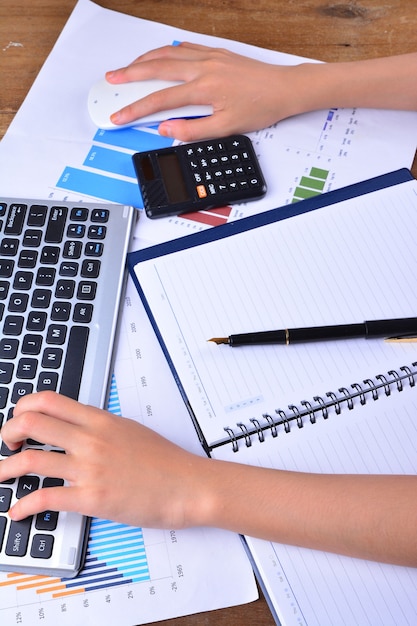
(173, 178)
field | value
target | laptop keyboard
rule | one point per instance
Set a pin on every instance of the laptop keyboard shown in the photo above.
(62, 271)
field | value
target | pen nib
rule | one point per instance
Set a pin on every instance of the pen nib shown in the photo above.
(219, 340)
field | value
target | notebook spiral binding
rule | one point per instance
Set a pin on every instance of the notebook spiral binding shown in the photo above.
(322, 406)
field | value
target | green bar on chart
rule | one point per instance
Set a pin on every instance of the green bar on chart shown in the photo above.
(317, 172)
(312, 183)
(301, 193)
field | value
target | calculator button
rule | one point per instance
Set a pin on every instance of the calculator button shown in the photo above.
(201, 191)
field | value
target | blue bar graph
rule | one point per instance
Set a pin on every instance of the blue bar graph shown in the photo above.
(113, 404)
(106, 171)
(112, 161)
(132, 139)
(100, 186)
(116, 555)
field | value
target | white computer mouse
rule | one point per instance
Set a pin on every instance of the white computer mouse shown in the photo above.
(105, 98)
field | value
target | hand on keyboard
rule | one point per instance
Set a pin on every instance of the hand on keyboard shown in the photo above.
(115, 468)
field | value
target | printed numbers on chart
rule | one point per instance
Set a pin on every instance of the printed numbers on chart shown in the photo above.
(180, 571)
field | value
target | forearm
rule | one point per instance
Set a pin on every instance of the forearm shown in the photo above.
(372, 517)
(388, 83)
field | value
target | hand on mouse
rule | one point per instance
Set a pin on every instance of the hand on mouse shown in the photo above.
(247, 94)
(238, 89)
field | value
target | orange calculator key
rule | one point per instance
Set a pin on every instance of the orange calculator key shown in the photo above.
(201, 191)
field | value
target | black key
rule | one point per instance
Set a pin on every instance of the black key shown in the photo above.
(17, 541)
(36, 321)
(93, 248)
(64, 288)
(26, 368)
(15, 219)
(18, 302)
(47, 380)
(68, 268)
(4, 289)
(45, 276)
(56, 334)
(79, 214)
(50, 255)
(86, 290)
(2, 529)
(20, 390)
(4, 394)
(52, 357)
(90, 268)
(6, 268)
(42, 546)
(31, 344)
(5, 451)
(47, 520)
(41, 298)
(9, 247)
(26, 485)
(13, 325)
(76, 230)
(27, 259)
(60, 311)
(6, 373)
(72, 250)
(23, 280)
(52, 482)
(74, 361)
(100, 215)
(8, 348)
(5, 499)
(56, 224)
(32, 238)
(37, 215)
(97, 232)
(83, 312)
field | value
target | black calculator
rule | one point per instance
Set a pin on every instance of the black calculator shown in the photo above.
(201, 175)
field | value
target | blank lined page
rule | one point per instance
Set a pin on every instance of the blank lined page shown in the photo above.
(345, 263)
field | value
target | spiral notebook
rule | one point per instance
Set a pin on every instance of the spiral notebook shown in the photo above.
(339, 406)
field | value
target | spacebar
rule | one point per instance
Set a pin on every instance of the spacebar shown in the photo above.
(74, 362)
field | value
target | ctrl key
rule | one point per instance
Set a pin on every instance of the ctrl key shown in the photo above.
(18, 537)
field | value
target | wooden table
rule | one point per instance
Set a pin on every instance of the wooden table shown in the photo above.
(326, 30)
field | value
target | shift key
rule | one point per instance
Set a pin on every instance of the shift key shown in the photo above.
(18, 538)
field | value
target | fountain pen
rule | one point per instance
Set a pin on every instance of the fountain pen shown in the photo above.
(403, 329)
